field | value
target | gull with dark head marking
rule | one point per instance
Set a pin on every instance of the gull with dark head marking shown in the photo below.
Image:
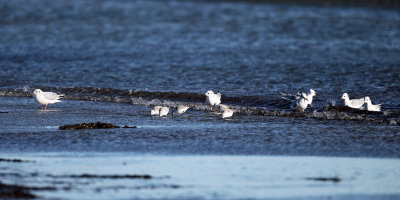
(46, 98)
(353, 103)
(370, 106)
(213, 99)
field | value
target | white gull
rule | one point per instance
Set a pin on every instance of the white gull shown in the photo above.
(370, 106)
(213, 99)
(46, 98)
(353, 103)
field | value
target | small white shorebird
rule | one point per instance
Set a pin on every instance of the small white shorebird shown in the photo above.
(156, 110)
(353, 103)
(213, 99)
(223, 107)
(180, 109)
(164, 111)
(227, 113)
(371, 107)
(309, 96)
(46, 98)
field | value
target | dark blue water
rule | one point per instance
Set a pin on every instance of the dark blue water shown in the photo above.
(115, 60)
(238, 48)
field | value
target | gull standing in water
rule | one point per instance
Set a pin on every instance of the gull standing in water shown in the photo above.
(300, 104)
(371, 107)
(164, 111)
(156, 110)
(213, 99)
(46, 98)
(300, 101)
(180, 109)
(353, 103)
(308, 97)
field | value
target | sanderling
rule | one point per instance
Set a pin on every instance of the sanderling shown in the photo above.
(180, 109)
(156, 110)
(164, 111)
(227, 113)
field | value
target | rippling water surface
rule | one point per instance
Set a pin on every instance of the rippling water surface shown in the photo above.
(115, 60)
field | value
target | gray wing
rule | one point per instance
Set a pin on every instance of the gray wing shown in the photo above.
(51, 95)
(357, 102)
(289, 97)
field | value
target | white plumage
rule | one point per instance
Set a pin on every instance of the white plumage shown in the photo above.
(156, 110)
(213, 99)
(300, 104)
(46, 98)
(164, 111)
(370, 106)
(223, 107)
(180, 109)
(299, 101)
(227, 113)
(309, 96)
(353, 103)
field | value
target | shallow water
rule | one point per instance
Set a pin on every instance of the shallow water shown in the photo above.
(206, 177)
(197, 132)
(115, 60)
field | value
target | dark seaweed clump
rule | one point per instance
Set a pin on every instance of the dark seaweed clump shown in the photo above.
(97, 125)
(324, 179)
(16, 191)
(12, 160)
(134, 176)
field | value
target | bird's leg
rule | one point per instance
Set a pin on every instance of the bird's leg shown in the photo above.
(45, 107)
(42, 106)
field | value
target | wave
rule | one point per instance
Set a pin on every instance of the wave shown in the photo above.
(243, 105)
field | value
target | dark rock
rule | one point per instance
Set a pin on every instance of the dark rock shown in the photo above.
(97, 125)
(3, 112)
